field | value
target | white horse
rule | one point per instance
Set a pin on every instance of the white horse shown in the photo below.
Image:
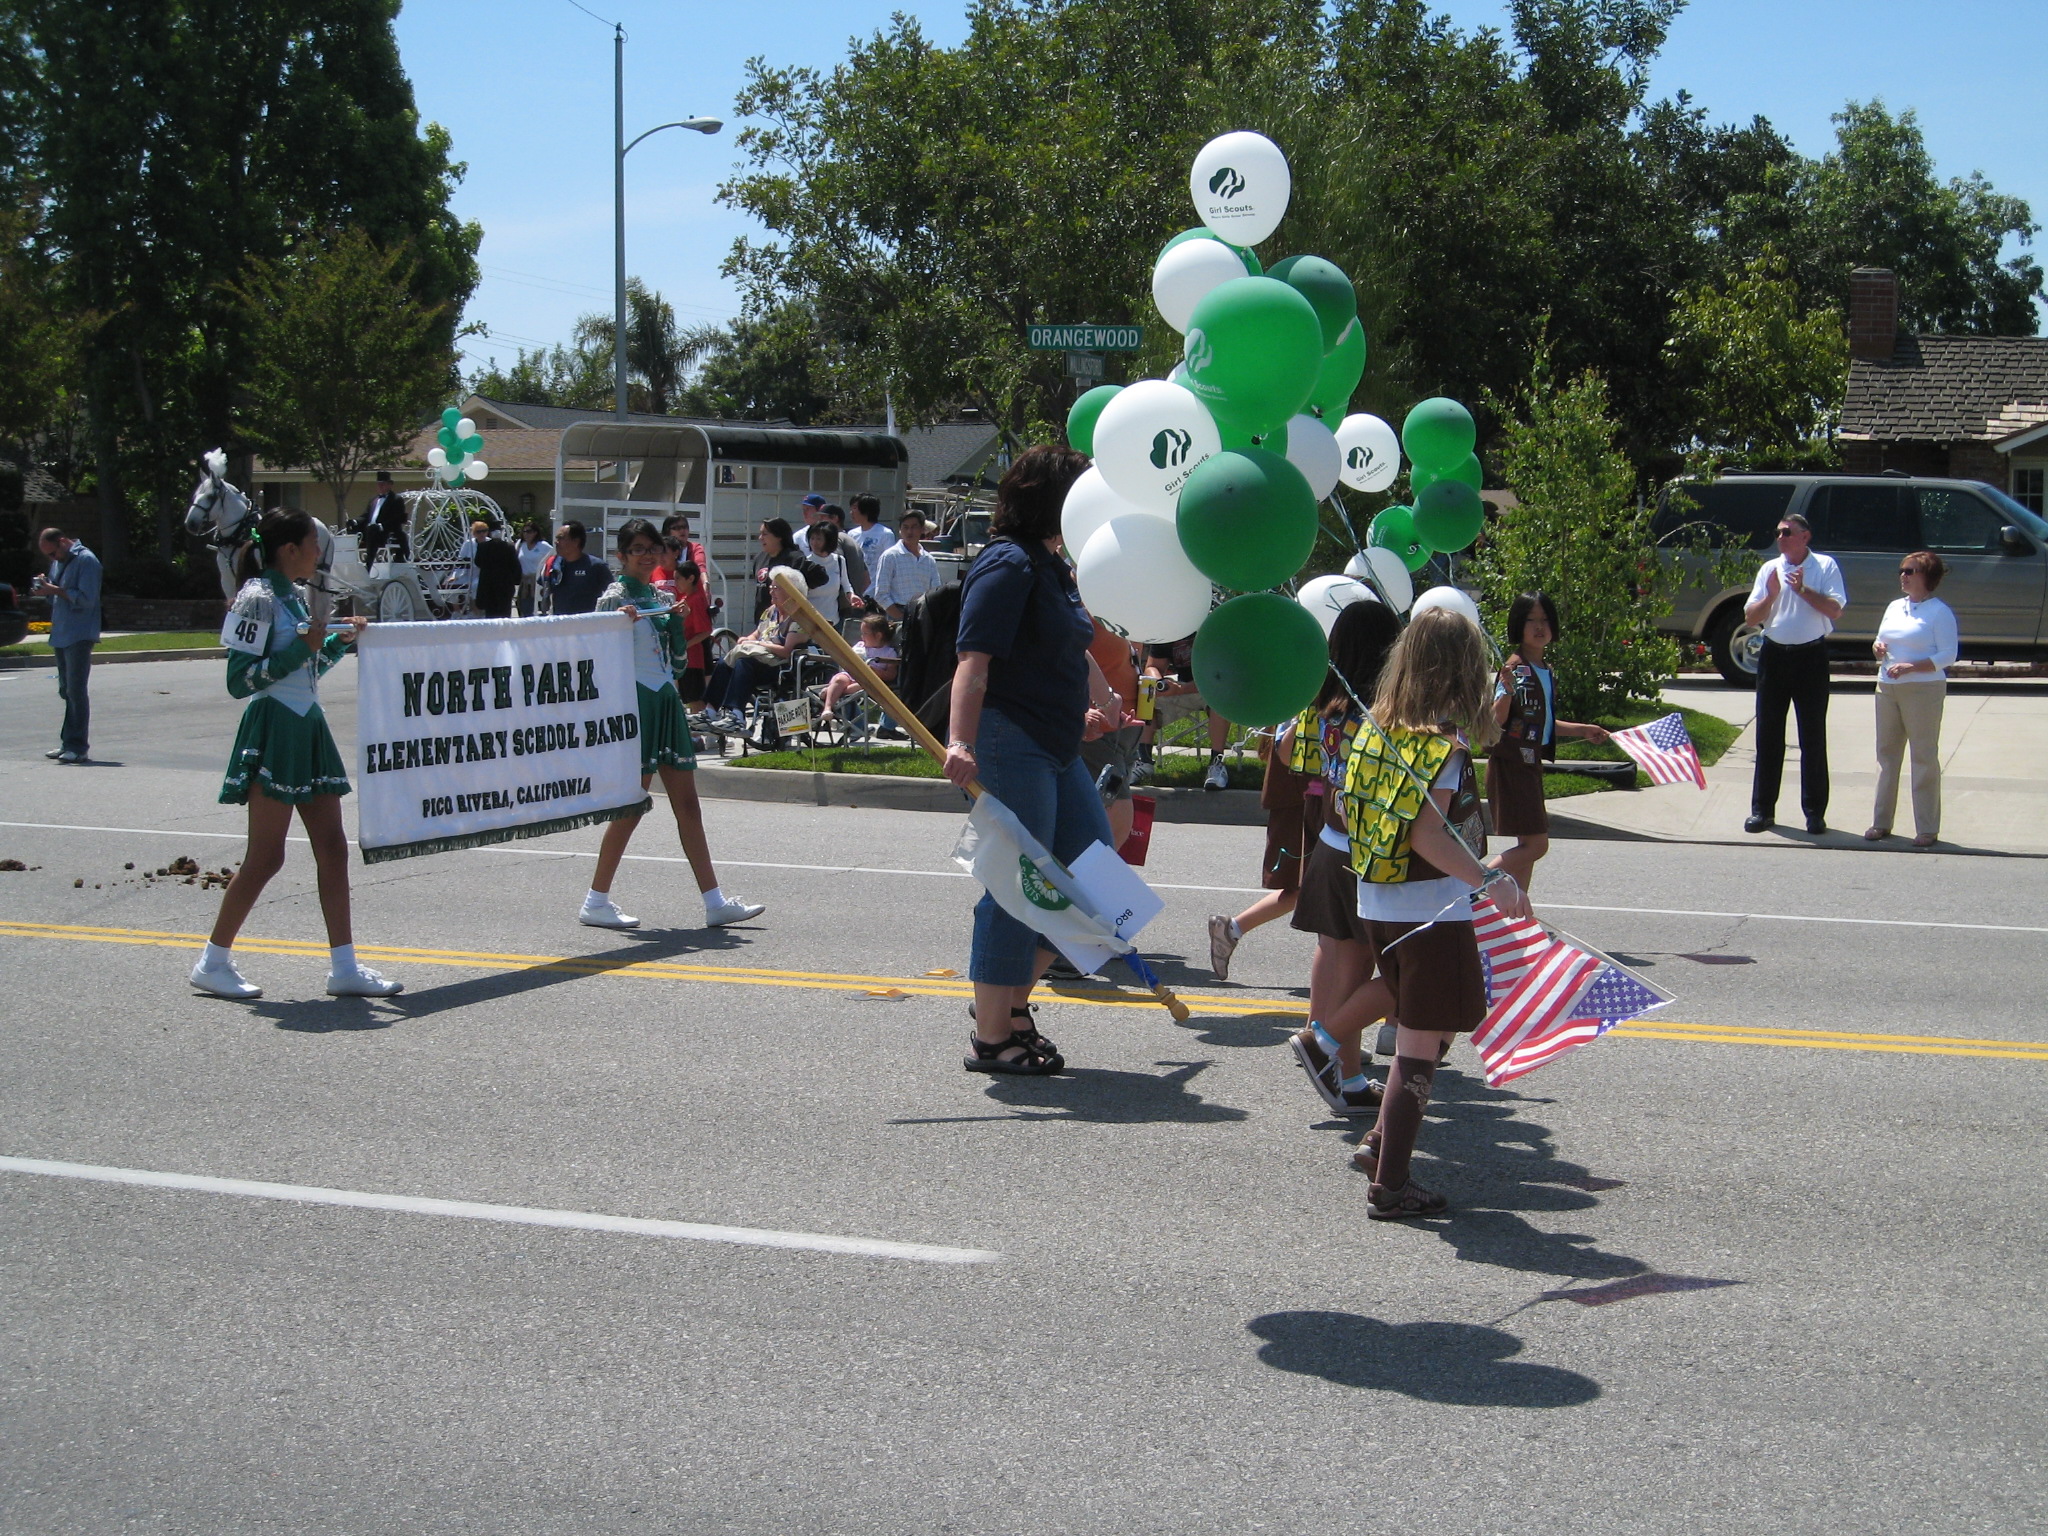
(224, 517)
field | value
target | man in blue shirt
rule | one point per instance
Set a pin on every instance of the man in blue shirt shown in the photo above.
(73, 588)
(573, 581)
(905, 572)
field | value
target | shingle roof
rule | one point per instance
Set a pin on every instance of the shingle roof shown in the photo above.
(37, 488)
(939, 454)
(1947, 389)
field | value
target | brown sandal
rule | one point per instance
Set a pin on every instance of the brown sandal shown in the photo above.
(1404, 1204)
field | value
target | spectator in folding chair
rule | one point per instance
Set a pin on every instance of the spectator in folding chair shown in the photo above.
(750, 663)
(875, 648)
(1175, 697)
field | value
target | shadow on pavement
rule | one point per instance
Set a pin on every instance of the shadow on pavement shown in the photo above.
(1462, 1364)
(1495, 1163)
(1101, 1096)
(320, 1016)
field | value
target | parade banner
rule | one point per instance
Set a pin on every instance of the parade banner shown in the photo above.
(486, 730)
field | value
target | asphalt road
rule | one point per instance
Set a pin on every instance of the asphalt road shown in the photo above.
(1784, 1271)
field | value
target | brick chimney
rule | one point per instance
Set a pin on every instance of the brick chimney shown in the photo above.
(1873, 313)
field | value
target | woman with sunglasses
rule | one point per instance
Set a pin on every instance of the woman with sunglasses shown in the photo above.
(665, 745)
(1915, 646)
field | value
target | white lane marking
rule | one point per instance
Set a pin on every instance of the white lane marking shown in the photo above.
(1228, 890)
(470, 1210)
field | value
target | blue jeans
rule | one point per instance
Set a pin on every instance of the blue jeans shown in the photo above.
(732, 682)
(74, 665)
(1058, 804)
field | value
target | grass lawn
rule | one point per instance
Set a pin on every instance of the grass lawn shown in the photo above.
(156, 640)
(1183, 770)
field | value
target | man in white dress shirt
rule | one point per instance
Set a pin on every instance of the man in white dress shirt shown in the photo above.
(1796, 598)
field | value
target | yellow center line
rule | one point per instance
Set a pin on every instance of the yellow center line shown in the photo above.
(922, 986)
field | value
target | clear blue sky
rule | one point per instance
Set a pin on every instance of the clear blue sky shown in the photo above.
(526, 89)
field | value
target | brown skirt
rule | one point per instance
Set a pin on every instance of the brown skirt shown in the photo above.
(1514, 794)
(1435, 975)
(1288, 835)
(1329, 896)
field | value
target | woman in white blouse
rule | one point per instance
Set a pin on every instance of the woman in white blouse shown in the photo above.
(1915, 647)
(823, 540)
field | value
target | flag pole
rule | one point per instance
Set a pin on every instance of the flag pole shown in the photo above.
(827, 635)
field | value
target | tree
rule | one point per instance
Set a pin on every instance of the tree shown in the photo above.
(174, 142)
(1766, 382)
(1582, 535)
(1876, 201)
(771, 367)
(38, 340)
(577, 378)
(659, 352)
(348, 360)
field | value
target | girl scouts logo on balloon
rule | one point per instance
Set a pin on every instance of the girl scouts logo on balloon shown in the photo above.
(1170, 448)
(1359, 458)
(1036, 891)
(1200, 354)
(1226, 183)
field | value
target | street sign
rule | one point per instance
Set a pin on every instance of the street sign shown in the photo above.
(1086, 338)
(1084, 365)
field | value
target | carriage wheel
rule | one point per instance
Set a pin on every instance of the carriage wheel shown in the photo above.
(394, 604)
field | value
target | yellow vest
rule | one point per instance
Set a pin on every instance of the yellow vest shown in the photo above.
(1384, 787)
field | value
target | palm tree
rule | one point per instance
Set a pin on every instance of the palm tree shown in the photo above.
(659, 352)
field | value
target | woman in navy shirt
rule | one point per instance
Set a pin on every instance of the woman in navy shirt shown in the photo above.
(1020, 698)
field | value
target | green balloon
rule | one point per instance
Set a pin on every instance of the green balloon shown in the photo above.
(1438, 434)
(1083, 414)
(1338, 379)
(1421, 479)
(446, 438)
(1449, 515)
(1255, 350)
(473, 443)
(449, 417)
(1259, 659)
(1327, 289)
(1247, 519)
(1251, 262)
(1395, 529)
(1236, 435)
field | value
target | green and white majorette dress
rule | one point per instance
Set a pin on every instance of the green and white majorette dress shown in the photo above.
(664, 731)
(284, 746)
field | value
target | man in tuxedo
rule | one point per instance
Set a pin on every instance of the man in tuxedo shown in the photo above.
(386, 523)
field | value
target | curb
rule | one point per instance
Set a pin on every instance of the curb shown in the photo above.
(116, 658)
(890, 792)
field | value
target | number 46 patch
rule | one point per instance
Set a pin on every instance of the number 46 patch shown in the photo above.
(246, 633)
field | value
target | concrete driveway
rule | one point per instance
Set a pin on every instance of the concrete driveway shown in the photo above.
(1994, 750)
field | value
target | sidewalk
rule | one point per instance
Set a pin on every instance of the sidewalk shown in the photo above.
(1994, 749)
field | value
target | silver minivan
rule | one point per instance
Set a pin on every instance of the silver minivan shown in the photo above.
(1996, 551)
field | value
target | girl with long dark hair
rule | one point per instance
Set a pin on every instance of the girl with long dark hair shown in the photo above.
(284, 757)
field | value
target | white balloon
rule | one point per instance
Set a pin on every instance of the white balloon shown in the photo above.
(1180, 371)
(1240, 184)
(1134, 575)
(1328, 596)
(1149, 439)
(1372, 452)
(1450, 599)
(437, 457)
(1090, 503)
(1312, 449)
(1185, 275)
(1384, 568)
(476, 469)
(464, 427)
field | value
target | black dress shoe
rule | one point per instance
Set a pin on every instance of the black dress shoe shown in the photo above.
(1816, 825)
(1757, 824)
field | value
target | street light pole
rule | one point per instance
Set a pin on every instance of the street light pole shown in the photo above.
(620, 147)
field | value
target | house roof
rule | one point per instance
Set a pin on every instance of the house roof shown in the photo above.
(949, 451)
(37, 488)
(1948, 389)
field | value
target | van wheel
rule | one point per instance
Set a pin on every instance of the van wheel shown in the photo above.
(1734, 644)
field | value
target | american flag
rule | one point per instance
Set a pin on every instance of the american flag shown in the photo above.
(1545, 996)
(1664, 750)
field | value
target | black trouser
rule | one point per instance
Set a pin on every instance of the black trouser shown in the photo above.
(1796, 675)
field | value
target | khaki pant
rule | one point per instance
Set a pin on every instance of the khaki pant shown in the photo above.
(1910, 713)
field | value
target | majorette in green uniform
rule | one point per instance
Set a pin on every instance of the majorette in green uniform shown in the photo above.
(665, 744)
(284, 756)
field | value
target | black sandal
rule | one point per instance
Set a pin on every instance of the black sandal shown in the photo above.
(1404, 1204)
(1027, 1033)
(1031, 1060)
